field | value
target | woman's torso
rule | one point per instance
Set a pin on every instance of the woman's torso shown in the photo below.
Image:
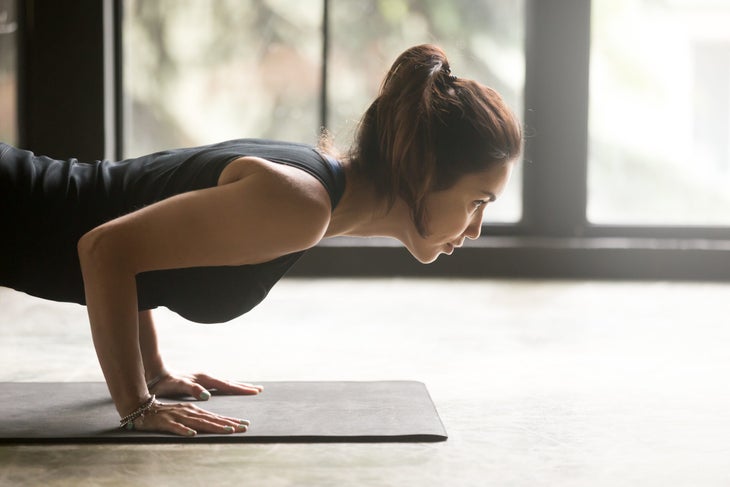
(47, 205)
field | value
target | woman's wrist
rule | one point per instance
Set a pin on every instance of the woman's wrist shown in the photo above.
(163, 374)
(128, 420)
(129, 402)
(153, 368)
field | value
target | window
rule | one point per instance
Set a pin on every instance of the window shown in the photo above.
(202, 72)
(484, 40)
(8, 72)
(626, 106)
(659, 148)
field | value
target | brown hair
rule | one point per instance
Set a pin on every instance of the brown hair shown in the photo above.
(427, 128)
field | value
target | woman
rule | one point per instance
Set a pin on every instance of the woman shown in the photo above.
(207, 231)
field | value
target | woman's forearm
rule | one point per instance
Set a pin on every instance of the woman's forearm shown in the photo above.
(111, 299)
(151, 358)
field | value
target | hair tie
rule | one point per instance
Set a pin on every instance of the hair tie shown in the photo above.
(450, 76)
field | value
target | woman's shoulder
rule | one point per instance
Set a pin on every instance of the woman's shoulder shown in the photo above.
(314, 160)
(279, 185)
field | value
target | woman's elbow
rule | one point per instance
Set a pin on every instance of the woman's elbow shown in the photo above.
(85, 246)
(96, 250)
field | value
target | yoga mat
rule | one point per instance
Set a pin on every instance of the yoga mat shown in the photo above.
(286, 412)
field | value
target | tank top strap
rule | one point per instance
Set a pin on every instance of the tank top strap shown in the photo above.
(338, 178)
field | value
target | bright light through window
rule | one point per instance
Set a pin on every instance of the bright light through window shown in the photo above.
(484, 40)
(660, 112)
(198, 72)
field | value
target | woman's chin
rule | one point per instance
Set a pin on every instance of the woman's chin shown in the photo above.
(427, 257)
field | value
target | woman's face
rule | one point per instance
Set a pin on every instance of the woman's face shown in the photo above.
(455, 214)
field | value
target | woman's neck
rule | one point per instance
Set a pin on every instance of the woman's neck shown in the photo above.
(361, 212)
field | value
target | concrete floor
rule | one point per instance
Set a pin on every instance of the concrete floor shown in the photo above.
(538, 383)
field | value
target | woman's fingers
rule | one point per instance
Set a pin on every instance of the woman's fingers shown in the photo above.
(197, 391)
(197, 385)
(188, 420)
(194, 413)
(176, 386)
(226, 386)
(179, 429)
(211, 426)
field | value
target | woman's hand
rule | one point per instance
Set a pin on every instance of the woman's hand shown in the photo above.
(197, 385)
(187, 420)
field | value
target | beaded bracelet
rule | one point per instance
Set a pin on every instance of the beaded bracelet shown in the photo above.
(128, 421)
(153, 382)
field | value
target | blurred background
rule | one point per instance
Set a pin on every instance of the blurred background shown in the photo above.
(200, 72)
(649, 124)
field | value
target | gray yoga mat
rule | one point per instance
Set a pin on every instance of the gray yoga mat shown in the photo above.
(383, 411)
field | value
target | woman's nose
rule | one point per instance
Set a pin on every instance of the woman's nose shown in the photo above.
(474, 229)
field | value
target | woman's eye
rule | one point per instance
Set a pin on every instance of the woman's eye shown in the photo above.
(479, 203)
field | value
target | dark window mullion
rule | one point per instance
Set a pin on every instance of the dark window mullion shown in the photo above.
(118, 9)
(62, 78)
(325, 55)
(557, 48)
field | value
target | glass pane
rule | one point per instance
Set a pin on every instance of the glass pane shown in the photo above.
(8, 72)
(660, 112)
(484, 40)
(198, 72)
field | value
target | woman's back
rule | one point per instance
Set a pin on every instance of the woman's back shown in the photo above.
(47, 205)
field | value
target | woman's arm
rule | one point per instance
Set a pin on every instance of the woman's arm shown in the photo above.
(111, 297)
(262, 216)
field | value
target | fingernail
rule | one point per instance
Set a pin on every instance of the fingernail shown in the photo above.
(204, 396)
(229, 429)
(242, 427)
(190, 433)
(244, 422)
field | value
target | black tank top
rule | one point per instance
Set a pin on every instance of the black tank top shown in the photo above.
(46, 205)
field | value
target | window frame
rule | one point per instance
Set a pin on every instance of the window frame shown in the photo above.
(552, 240)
